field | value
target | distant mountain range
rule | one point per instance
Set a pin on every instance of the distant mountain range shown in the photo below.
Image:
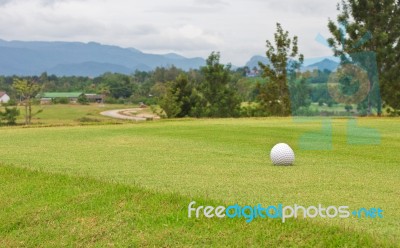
(309, 64)
(325, 64)
(253, 62)
(82, 59)
(93, 59)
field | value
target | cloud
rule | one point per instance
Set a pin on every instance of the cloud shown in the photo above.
(182, 38)
(42, 2)
(304, 7)
(237, 28)
(210, 2)
(190, 7)
(55, 2)
(4, 2)
(143, 30)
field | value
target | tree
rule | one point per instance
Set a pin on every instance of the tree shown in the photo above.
(222, 100)
(181, 93)
(284, 56)
(163, 75)
(170, 102)
(158, 90)
(368, 27)
(184, 95)
(82, 99)
(300, 95)
(27, 90)
(120, 85)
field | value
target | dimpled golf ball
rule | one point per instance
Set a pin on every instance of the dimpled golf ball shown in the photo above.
(282, 154)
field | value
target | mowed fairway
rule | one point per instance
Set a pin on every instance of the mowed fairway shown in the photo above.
(227, 162)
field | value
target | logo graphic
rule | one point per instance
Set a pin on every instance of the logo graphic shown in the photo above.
(354, 84)
(250, 213)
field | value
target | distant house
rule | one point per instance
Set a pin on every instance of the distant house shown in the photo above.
(4, 98)
(253, 73)
(49, 97)
(95, 98)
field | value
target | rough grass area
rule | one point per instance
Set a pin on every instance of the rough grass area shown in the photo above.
(41, 209)
(228, 161)
(72, 114)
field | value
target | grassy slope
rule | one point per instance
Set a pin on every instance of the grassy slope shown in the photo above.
(227, 161)
(42, 209)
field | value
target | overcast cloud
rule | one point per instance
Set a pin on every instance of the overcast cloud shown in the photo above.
(237, 28)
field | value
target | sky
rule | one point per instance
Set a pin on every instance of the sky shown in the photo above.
(193, 28)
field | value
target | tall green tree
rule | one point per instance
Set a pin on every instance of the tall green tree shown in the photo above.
(27, 90)
(284, 60)
(170, 101)
(184, 94)
(177, 102)
(371, 26)
(221, 98)
(120, 85)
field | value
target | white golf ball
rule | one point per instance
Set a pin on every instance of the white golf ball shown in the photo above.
(282, 154)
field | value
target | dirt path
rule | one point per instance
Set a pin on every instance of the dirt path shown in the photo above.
(134, 114)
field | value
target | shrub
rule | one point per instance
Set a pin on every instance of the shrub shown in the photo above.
(110, 100)
(12, 102)
(61, 100)
(82, 99)
(10, 115)
(251, 111)
(88, 119)
(306, 111)
(348, 108)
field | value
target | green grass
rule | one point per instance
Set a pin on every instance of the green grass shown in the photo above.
(223, 161)
(41, 209)
(334, 108)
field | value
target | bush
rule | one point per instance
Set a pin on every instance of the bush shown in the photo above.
(12, 102)
(348, 108)
(88, 119)
(10, 115)
(306, 111)
(110, 100)
(251, 111)
(61, 100)
(82, 99)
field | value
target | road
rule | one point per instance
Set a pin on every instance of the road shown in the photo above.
(134, 114)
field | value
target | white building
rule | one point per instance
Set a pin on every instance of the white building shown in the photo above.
(4, 98)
